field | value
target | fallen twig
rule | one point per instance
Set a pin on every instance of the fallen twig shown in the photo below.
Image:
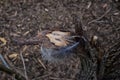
(41, 63)
(3, 61)
(100, 16)
(18, 74)
(22, 41)
(12, 72)
(24, 62)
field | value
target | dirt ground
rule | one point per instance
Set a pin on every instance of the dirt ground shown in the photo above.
(25, 18)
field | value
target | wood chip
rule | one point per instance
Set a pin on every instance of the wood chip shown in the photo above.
(13, 55)
(3, 40)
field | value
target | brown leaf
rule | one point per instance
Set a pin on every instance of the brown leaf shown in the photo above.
(58, 38)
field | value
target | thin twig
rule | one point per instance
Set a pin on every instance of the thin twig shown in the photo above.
(23, 61)
(41, 77)
(41, 63)
(12, 70)
(3, 61)
(22, 41)
(16, 71)
(100, 16)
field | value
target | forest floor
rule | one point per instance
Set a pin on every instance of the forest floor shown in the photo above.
(25, 18)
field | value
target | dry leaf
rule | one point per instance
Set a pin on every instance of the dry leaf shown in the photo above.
(4, 41)
(58, 38)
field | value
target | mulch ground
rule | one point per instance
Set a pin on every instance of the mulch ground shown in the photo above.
(25, 18)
